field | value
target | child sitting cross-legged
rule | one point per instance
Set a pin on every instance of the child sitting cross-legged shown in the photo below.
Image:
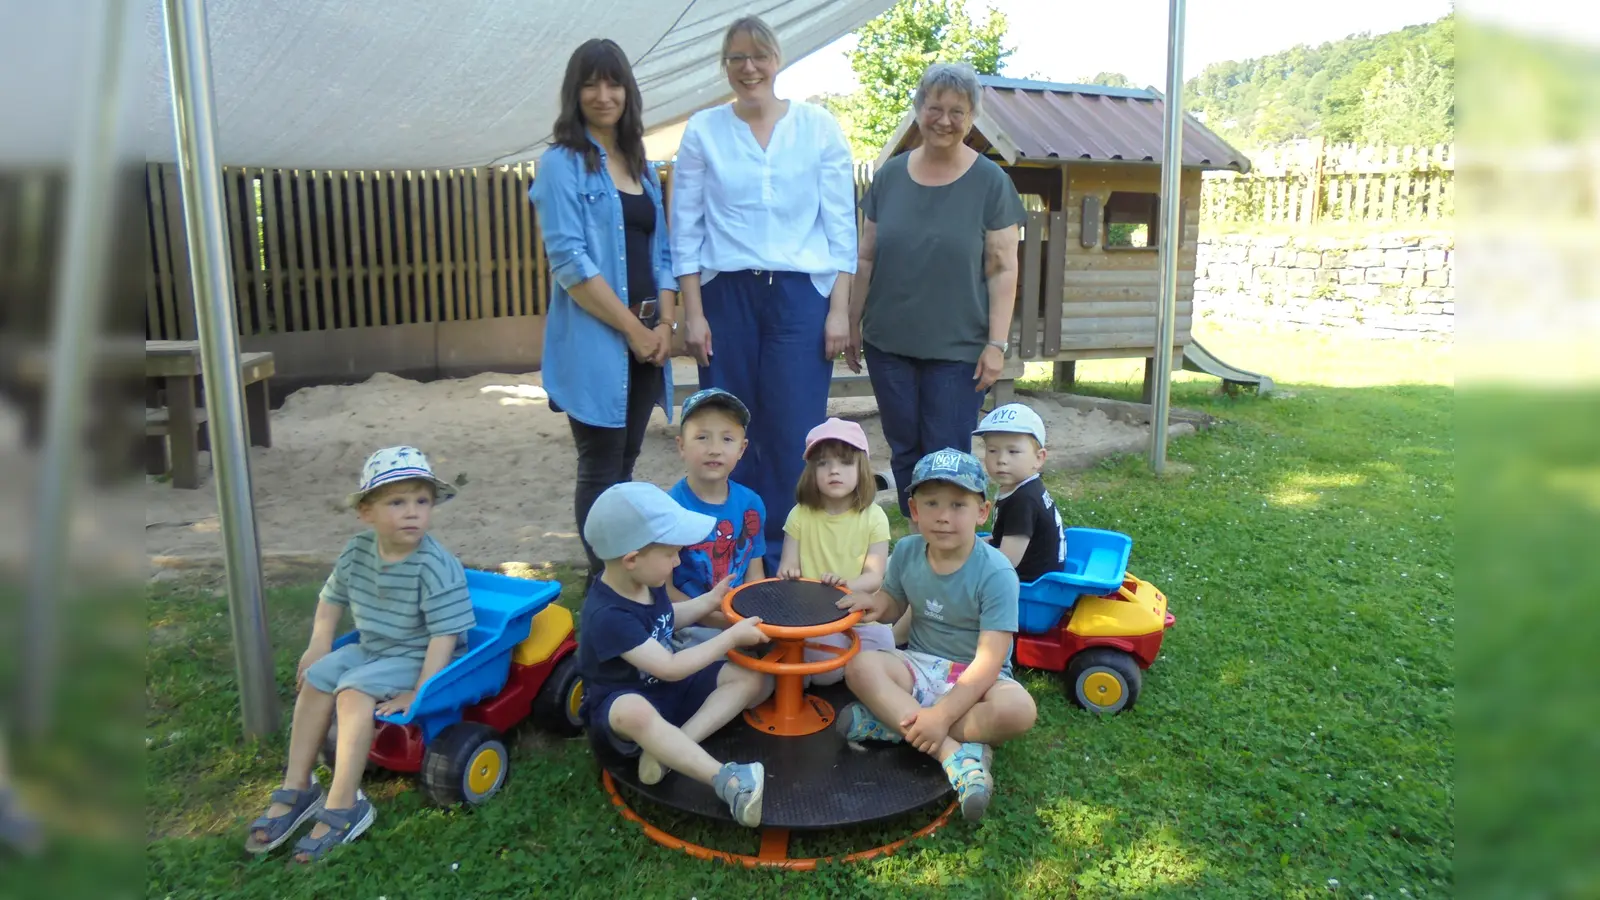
(1027, 524)
(950, 694)
(644, 698)
(835, 532)
(711, 441)
(408, 596)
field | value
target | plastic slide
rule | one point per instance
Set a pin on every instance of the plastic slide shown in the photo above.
(1196, 358)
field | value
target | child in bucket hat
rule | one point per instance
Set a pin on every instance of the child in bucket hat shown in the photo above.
(408, 597)
(960, 672)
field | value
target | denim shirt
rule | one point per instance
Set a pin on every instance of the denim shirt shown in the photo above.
(585, 367)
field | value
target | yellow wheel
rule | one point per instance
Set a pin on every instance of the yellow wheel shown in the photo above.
(465, 763)
(559, 705)
(1103, 680)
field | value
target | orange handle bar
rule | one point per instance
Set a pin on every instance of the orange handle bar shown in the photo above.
(769, 666)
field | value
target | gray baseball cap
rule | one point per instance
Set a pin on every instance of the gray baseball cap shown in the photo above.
(960, 469)
(635, 514)
(1013, 418)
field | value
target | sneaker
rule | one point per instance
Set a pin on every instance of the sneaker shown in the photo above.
(857, 723)
(968, 771)
(741, 786)
(651, 771)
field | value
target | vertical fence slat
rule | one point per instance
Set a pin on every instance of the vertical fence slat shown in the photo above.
(165, 282)
(233, 212)
(155, 232)
(178, 244)
(481, 242)
(1055, 263)
(430, 249)
(325, 262)
(275, 266)
(417, 292)
(371, 310)
(283, 187)
(457, 254)
(510, 265)
(384, 240)
(338, 191)
(315, 316)
(1029, 283)
(526, 239)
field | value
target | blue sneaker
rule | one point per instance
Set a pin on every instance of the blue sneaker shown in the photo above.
(857, 723)
(741, 786)
(968, 771)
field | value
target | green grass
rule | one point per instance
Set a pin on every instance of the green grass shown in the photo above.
(1296, 732)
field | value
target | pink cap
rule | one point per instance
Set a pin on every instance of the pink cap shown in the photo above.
(836, 429)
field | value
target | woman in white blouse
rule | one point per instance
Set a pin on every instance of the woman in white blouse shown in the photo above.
(763, 227)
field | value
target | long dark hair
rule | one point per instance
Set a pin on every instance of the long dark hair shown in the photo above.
(601, 59)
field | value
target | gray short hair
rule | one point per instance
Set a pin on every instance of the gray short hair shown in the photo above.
(948, 76)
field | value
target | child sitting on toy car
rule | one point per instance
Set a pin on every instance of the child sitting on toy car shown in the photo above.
(950, 693)
(408, 596)
(1027, 524)
(646, 699)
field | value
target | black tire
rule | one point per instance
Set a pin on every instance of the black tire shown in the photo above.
(466, 763)
(1103, 680)
(555, 709)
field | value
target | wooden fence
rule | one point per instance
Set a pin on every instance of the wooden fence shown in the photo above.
(320, 250)
(1317, 182)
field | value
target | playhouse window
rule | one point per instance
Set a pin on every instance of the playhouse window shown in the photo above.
(1131, 220)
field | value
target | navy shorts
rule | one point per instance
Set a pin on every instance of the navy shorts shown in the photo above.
(677, 702)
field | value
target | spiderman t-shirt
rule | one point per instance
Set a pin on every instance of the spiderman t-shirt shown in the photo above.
(738, 538)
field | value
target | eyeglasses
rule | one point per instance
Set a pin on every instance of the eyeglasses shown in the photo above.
(738, 59)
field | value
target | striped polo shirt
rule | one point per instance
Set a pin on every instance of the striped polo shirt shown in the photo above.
(398, 607)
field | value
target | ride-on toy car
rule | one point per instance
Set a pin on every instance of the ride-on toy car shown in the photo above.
(519, 664)
(1115, 629)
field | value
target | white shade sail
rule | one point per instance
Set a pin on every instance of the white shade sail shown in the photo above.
(429, 83)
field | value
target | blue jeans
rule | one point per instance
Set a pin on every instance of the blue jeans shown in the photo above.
(767, 350)
(926, 405)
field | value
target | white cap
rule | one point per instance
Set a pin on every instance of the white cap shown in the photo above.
(635, 514)
(1013, 418)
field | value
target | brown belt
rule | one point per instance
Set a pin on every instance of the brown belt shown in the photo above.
(648, 311)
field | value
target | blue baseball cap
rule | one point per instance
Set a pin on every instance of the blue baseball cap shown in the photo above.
(635, 514)
(715, 397)
(960, 469)
(1013, 418)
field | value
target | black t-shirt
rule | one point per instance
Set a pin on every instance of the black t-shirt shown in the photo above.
(638, 225)
(610, 626)
(1030, 511)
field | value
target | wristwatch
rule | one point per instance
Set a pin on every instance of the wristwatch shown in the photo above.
(1003, 346)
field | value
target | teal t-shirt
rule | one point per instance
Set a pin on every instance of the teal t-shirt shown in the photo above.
(951, 609)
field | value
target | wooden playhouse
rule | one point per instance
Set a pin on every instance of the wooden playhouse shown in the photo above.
(1087, 161)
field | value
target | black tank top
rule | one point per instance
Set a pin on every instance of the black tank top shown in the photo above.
(639, 224)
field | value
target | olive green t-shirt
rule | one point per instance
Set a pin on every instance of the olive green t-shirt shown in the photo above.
(928, 298)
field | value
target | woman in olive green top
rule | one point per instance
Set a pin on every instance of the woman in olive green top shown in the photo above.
(936, 277)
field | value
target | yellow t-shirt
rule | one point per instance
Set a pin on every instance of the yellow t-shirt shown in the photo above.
(836, 544)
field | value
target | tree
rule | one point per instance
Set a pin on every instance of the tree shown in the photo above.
(893, 50)
(1108, 79)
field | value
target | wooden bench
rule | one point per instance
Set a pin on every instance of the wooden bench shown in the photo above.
(174, 421)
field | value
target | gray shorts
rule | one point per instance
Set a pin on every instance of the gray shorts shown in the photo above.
(352, 668)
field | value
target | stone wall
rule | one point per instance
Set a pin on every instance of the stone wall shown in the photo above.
(1381, 284)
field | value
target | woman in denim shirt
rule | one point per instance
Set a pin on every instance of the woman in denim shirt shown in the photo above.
(608, 332)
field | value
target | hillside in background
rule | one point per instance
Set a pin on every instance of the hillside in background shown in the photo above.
(1395, 88)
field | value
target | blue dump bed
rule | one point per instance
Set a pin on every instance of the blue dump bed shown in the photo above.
(1096, 562)
(504, 607)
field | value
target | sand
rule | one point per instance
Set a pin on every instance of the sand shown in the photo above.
(497, 439)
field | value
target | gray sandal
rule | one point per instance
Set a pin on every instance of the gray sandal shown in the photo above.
(344, 826)
(302, 806)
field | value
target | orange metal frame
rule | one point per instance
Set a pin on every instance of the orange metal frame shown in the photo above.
(790, 711)
(774, 852)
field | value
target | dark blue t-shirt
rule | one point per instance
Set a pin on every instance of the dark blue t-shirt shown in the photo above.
(737, 539)
(611, 625)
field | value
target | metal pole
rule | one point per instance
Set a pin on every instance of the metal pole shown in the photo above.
(1171, 231)
(189, 58)
(80, 290)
